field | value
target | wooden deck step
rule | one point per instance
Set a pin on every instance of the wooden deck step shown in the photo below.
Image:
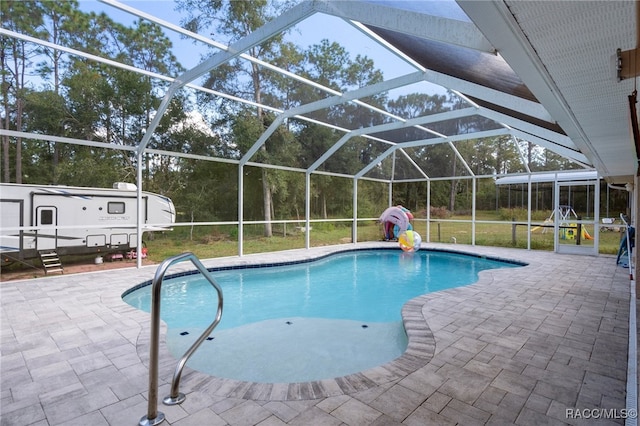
(51, 262)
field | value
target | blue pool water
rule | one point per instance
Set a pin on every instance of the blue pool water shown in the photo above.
(306, 321)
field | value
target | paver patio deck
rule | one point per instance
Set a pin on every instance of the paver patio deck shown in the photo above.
(525, 346)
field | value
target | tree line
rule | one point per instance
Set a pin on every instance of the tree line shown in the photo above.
(47, 91)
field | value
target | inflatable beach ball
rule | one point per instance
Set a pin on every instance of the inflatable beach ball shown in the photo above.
(409, 241)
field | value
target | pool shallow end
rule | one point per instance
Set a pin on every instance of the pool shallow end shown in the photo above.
(420, 350)
(292, 349)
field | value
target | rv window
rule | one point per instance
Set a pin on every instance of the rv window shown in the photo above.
(115, 207)
(46, 217)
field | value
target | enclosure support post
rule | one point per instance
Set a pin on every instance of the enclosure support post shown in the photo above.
(596, 216)
(428, 236)
(240, 209)
(354, 227)
(556, 217)
(635, 211)
(139, 154)
(529, 213)
(307, 209)
(473, 211)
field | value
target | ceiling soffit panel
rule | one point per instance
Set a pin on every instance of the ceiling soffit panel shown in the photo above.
(577, 41)
(564, 52)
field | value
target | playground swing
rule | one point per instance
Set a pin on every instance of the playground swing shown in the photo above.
(567, 229)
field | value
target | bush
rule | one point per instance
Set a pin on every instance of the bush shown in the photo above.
(233, 233)
(439, 212)
(520, 215)
(323, 226)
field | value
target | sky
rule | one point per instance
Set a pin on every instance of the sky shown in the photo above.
(309, 32)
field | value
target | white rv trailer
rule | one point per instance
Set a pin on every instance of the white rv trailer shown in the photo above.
(35, 219)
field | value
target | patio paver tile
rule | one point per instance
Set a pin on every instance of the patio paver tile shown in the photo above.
(354, 412)
(514, 348)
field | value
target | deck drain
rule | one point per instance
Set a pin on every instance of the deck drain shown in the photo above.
(365, 326)
(184, 333)
(289, 323)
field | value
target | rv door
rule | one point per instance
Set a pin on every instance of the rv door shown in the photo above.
(46, 232)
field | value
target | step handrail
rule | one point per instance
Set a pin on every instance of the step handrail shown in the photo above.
(154, 416)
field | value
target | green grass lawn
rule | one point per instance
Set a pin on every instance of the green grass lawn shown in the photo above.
(218, 241)
(210, 242)
(501, 235)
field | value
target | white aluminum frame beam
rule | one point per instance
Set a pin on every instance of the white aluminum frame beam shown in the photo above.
(558, 138)
(214, 43)
(433, 118)
(433, 141)
(386, 17)
(550, 145)
(531, 108)
(523, 157)
(331, 101)
(276, 26)
(247, 57)
(514, 103)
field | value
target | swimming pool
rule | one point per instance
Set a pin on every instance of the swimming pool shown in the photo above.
(306, 321)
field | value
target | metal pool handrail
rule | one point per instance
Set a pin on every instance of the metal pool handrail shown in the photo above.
(154, 416)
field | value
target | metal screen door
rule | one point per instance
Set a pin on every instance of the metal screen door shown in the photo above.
(576, 217)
